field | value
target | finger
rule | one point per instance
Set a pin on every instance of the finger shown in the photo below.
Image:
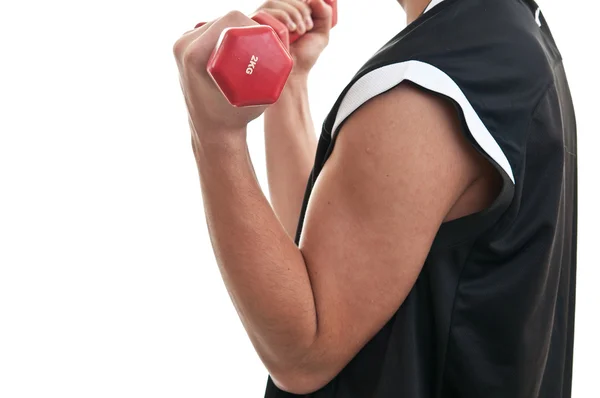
(282, 17)
(293, 12)
(305, 9)
(322, 14)
(184, 41)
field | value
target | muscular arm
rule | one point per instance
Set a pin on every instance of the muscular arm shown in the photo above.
(290, 148)
(399, 166)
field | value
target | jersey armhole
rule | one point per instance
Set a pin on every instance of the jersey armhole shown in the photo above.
(434, 80)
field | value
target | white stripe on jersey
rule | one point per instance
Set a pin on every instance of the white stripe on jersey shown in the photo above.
(432, 4)
(431, 78)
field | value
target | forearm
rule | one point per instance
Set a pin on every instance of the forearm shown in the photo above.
(263, 269)
(290, 150)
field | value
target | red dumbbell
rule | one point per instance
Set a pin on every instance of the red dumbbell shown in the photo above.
(250, 65)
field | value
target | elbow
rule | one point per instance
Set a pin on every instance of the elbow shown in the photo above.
(312, 367)
(302, 381)
(298, 384)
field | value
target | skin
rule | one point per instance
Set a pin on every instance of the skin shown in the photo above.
(290, 152)
(401, 167)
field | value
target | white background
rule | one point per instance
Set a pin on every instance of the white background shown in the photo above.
(108, 285)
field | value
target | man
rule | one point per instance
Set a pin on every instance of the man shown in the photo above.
(436, 250)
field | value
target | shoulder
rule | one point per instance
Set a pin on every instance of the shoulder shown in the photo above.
(409, 133)
(487, 58)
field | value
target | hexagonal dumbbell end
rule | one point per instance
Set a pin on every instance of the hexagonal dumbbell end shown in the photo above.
(250, 65)
(279, 27)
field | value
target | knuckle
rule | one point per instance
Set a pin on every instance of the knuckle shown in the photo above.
(299, 6)
(306, 11)
(298, 13)
(235, 17)
(294, 14)
(179, 48)
(234, 14)
(281, 15)
(190, 58)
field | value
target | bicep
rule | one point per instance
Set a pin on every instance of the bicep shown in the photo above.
(399, 165)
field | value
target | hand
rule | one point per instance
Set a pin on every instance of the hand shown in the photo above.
(313, 21)
(209, 111)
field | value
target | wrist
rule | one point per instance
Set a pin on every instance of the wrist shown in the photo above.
(219, 142)
(294, 93)
(298, 77)
(297, 85)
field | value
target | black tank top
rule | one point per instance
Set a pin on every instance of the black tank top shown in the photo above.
(492, 312)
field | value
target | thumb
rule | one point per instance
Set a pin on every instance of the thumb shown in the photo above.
(321, 14)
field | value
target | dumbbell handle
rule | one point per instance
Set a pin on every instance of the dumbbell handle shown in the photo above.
(282, 31)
